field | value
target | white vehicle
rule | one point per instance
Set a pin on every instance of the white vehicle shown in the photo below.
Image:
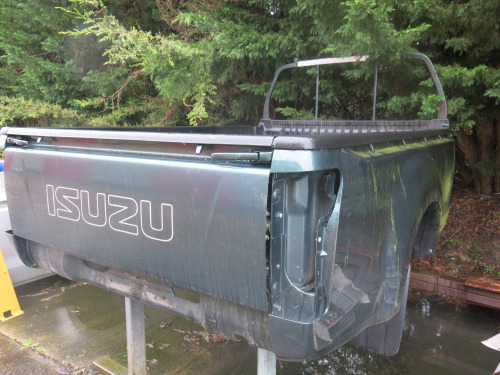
(19, 273)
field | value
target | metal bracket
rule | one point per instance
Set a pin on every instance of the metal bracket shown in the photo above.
(17, 142)
(3, 137)
(238, 156)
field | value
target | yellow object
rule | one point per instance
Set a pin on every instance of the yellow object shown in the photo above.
(9, 306)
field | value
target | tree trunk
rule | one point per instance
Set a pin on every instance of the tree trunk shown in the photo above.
(486, 135)
(496, 184)
(480, 144)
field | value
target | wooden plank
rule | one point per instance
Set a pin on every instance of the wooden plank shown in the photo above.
(477, 291)
(106, 366)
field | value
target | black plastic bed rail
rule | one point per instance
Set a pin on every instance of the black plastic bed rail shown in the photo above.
(320, 127)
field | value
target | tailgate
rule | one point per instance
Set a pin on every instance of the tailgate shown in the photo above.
(196, 224)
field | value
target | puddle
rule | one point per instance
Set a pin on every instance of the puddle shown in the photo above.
(437, 340)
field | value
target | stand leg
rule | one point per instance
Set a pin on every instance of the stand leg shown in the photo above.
(136, 336)
(266, 362)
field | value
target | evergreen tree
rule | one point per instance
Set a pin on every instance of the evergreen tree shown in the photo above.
(464, 41)
(46, 75)
(31, 63)
(208, 62)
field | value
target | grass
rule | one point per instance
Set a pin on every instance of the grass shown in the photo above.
(30, 344)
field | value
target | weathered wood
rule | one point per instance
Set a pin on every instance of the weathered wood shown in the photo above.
(473, 290)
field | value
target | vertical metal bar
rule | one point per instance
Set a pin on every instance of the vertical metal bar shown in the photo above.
(443, 108)
(265, 115)
(375, 95)
(136, 336)
(266, 362)
(317, 94)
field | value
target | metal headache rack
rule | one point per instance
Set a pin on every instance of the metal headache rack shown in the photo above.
(312, 127)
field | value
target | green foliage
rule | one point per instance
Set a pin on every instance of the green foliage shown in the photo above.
(29, 344)
(494, 88)
(209, 62)
(429, 106)
(203, 62)
(464, 42)
(28, 112)
(293, 114)
(32, 52)
(41, 65)
(489, 167)
(204, 93)
(492, 270)
(369, 30)
(177, 69)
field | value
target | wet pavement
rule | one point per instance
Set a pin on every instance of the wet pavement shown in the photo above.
(66, 326)
(14, 359)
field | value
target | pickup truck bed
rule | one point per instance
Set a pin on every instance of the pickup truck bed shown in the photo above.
(295, 235)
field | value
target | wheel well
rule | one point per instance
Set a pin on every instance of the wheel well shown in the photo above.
(428, 232)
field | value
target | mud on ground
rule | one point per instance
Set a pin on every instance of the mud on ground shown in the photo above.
(470, 243)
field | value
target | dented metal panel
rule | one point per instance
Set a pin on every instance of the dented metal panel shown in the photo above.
(201, 226)
(299, 272)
